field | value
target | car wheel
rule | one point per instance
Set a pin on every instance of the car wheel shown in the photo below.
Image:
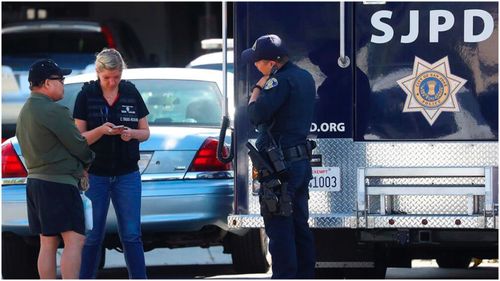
(19, 259)
(249, 252)
(453, 261)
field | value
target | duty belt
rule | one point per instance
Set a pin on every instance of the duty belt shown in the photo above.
(295, 153)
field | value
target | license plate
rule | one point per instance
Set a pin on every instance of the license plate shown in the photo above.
(325, 179)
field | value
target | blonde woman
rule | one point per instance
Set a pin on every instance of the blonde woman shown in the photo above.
(111, 114)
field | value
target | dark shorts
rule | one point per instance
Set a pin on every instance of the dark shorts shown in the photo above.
(54, 208)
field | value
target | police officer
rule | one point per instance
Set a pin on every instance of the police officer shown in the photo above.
(281, 107)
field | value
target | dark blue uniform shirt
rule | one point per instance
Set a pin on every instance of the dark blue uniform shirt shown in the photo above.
(288, 99)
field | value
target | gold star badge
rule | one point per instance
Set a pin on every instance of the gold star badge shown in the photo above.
(431, 89)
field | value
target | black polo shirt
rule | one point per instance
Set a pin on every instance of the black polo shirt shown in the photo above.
(114, 156)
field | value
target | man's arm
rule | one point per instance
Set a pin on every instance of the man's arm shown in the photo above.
(59, 121)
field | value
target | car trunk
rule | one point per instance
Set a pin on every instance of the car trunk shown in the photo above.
(171, 150)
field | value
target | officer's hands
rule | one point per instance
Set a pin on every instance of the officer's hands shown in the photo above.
(263, 81)
(256, 92)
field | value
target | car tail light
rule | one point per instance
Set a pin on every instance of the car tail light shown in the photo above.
(206, 158)
(12, 167)
(108, 36)
(144, 161)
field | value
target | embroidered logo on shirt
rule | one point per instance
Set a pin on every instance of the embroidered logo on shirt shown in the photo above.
(128, 109)
(271, 83)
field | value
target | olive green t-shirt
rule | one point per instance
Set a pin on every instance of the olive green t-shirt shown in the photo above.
(52, 147)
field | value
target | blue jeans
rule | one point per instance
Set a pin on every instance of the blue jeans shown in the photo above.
(125, 192)
(291, 242)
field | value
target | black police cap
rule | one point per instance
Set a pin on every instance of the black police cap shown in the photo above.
(266, 47)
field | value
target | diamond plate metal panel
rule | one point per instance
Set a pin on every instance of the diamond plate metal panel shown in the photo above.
(427, 222)
(256, 221)
(492, 222)
(349, 155)
(245, 221)
(413, 205)
(420, 154)
(427, 181)
(331, 221)
(315, 221)
(427, 204)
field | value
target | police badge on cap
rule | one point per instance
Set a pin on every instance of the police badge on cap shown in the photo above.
(266, 47)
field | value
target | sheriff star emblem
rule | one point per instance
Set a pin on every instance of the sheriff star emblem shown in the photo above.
(431, 89)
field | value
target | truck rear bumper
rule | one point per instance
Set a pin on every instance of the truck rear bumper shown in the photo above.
(379, 221)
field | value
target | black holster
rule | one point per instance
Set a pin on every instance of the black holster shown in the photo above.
(273, 196)
(274, 199)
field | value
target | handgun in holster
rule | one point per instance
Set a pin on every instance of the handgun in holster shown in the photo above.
(273, 196)
(310, 146)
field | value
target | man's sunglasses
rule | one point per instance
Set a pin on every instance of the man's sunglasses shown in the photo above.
(61, 79)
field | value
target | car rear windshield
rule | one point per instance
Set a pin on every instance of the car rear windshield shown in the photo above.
(172, 102)
(216, 66)
(52, 42)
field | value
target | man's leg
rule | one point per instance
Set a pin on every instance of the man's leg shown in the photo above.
(47, 256)
(72, 254)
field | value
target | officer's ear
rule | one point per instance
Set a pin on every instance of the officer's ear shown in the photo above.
(274, 67)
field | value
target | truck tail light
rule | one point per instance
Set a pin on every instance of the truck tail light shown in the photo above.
(12, 167)
(206, 158)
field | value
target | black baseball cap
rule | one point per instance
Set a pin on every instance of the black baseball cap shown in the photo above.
(266, 47)
(42, 69)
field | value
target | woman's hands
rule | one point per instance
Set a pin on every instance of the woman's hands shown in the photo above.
(110, 129)
(126, 133)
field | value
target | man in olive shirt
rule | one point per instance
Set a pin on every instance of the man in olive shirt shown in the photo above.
(56, 156)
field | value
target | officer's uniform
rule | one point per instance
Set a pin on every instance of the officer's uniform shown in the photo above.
(287, 101)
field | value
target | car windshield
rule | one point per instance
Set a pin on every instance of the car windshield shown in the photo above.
(172, 102)
(52, 42)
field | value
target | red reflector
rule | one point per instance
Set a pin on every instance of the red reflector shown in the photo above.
(206, 158)
(108, 36)
(12, 167)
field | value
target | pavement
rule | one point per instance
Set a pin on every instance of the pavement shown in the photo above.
(190, 258)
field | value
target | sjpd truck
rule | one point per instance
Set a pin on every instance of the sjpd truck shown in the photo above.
(406, 122)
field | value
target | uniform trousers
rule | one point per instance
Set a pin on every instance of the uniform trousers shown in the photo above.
(291, 242)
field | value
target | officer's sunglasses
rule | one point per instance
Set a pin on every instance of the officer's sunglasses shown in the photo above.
(60, 79)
